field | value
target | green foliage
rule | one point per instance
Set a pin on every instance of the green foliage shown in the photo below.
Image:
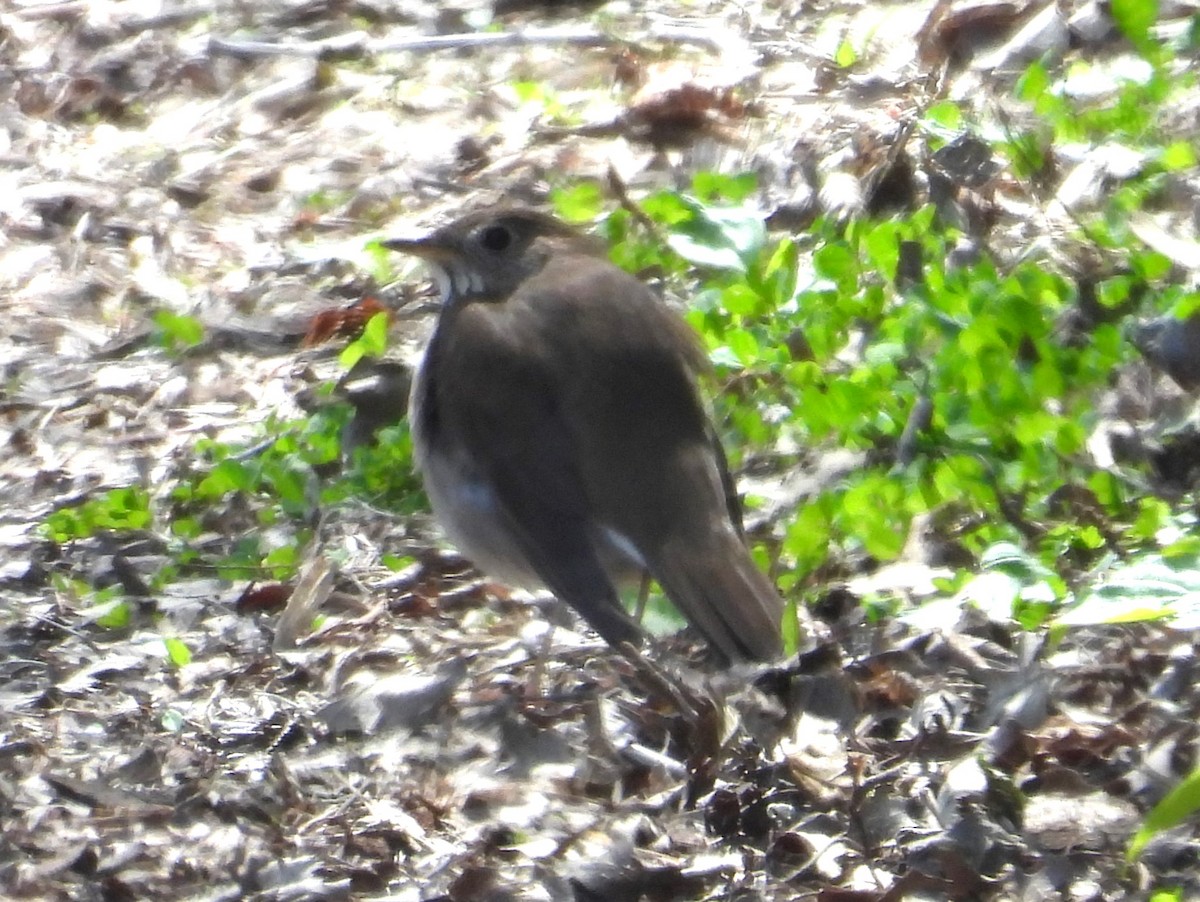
(1154, 585)
(114, 614)
(583, 202)
(383, 268)
(372, 342)
(1134, 18)
(946, 116)
(282, 470)
(104, 607)
(177, 652)
(263, 500)
(383, 474)
(1131, 116)
(1015, 584)
(1006, 405)
(845, 56)
(282, 484)
(1167, 895)
(1178, 805)
(396, 563)
(174, 332)
(545, 98)
(792, 633)
(121, 509)
(326, 200)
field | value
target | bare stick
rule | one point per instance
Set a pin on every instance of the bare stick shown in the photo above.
(355, 45)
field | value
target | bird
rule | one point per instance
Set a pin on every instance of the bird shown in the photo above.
(562, 438)
(378, 390)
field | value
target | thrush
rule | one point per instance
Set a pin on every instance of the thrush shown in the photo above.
(562, 438)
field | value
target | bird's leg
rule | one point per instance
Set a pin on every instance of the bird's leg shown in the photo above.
(535, 685)
(643, 596)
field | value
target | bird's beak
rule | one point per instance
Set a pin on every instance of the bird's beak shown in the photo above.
(438, 258)
(424, 246)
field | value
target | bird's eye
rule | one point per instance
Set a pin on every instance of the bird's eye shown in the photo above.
(496, 238)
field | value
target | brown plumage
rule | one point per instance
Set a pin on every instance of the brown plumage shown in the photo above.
(562, 439)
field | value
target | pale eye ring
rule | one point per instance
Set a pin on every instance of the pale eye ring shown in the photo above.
(495, 238)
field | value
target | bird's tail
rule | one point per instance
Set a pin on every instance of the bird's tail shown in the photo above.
(717, 587)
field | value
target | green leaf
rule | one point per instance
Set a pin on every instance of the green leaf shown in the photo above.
(173, 721)
(123, 509)
(1166, 895)
(741, 300)
(579, 203)
(177, 652)
(382, 267)
(845, 56)
(372, 342)
(807, 538)
(1150, 266)
(792, 634)
(732, 189)
(744, 346)
(397, 562)
(1151, 588)
(374, 336)
(947, 114)
(704, 253)
(718, 238)
(113, 615)
(175, 330)
(186, 527)
(883, 247)
(351, 355)
(669, 208)
(1178, 156)
(837, 263)
(282, 561)
(1034, 83)
(227, 476)
(1134, 18)
(1175, 807)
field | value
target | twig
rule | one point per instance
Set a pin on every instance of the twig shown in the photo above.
(77, 9)
(617, 186)
(355, 45)
(71, 9)
(522, 38)
(345, 46)
(646, 757)
(312, 590)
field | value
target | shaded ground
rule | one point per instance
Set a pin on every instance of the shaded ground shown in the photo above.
(418, 745)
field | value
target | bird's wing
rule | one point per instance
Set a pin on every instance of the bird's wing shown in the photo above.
(648, 458)
(507, 413)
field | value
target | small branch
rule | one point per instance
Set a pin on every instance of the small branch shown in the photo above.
(523, 38)
(617, 186)
(345, 46)
(73, 10)
(356, 45)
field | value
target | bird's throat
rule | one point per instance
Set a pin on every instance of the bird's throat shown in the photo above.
(455, 281)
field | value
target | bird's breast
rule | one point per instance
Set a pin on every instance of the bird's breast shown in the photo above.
(467, 505)
(464, 503)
